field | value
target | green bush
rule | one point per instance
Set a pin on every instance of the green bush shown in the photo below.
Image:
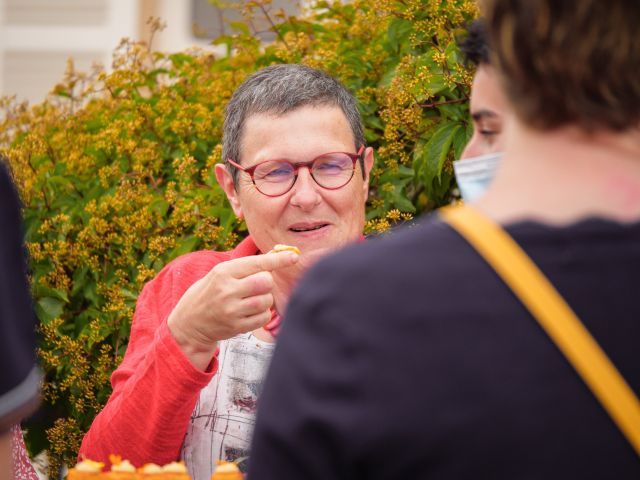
(115, 169)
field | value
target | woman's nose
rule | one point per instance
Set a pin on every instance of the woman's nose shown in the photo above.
(306, 194)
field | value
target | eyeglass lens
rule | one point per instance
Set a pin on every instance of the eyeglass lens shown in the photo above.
(330, 171)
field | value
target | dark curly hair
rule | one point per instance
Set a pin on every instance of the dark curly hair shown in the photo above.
(474, 45)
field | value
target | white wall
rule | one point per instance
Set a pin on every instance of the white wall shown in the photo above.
(178, 34)
(37, 36)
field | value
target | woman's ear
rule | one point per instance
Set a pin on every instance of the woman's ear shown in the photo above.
(368, 165)
(225, 180)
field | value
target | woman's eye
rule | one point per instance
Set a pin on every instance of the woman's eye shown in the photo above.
(327, 166)
(332, 164)
(273, 172)
(487, 133)
(279, 172)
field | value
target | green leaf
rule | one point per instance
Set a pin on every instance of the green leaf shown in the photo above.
(48, 308)
(89, 292)
(437, 84)
(388, 76)
(374, 122)
(419, 157)
(437, 149)
(129, 295)
(158, 265)
(439, 188)
(398, 31)
(460, 140)
(374, 213)
(159, 206)
(185, 246)
(405, 172)
(181, 58)
(41, 291)
(62, 93)
(454, 57)
(403, 204)
(240, 26)
(220, 4)
(452, 112)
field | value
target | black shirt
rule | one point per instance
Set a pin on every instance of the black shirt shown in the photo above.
(408, 358)
(19, 377)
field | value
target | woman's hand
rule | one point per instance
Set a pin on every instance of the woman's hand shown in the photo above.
(234, 297)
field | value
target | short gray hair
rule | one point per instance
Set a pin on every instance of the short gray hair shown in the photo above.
(279, 89)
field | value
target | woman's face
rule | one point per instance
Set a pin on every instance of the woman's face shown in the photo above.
(487, 107)
(312, 218)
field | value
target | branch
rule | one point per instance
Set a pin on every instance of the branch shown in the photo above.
(273, 26)
(446, 102)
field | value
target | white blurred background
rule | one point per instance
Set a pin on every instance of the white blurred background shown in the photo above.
(37, 36)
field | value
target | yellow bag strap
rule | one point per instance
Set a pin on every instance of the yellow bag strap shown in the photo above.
(554, 315)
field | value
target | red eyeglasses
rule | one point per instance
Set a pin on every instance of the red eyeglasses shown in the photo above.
(276, 177)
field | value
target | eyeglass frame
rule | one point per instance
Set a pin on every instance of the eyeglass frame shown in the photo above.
(296, 166)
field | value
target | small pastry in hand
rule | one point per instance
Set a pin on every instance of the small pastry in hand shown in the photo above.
(285, 248)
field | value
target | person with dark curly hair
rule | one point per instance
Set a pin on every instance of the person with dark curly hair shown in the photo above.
(481, 156)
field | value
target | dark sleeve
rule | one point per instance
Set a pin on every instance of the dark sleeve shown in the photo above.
(308, 418)
(19, 377)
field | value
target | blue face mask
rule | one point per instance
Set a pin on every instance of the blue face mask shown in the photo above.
(474, 175)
